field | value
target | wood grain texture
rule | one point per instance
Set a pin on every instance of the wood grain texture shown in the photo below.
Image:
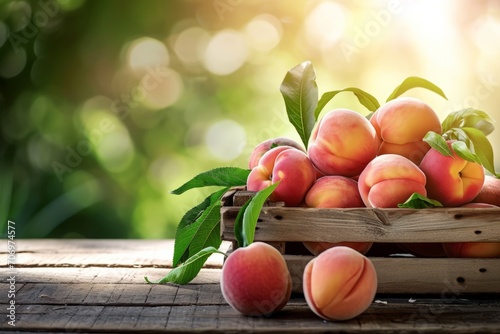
(111, 298)
(377, 225)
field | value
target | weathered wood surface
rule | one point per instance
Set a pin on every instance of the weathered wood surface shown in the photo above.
(62, 294)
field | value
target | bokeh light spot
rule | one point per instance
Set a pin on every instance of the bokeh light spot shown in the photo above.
(162, 89)
(3, 33)
(226, 52)
(146, 53)
(226, 140)
(190, 44)
(19, 15)
(325, 24)
(12, 63)
(264, 32)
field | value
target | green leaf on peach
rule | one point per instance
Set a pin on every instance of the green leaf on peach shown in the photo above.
(415, 82)
(418, 201)
(221, 176)
(438, 142)
(481, 147)
(470, 118)
(464, 152)
(252, 212)
(366, 99)
(300, 92)
(186, 272)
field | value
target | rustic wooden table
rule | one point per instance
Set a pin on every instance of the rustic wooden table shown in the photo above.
(98, 286)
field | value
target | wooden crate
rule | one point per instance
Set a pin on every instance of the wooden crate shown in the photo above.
(286, 228)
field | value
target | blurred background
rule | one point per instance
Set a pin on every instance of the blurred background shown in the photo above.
(107, 106)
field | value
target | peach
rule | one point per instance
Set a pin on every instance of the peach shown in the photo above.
(339, 284)
(402, 124)
(334, 192)
(451, 180)
(266, 145)
(290, 166)
(473, 249)
(389, 180)
(255, 280)
(490, 191)
(342, 143)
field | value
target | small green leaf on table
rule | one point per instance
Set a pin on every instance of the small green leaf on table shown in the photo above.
(186, 272)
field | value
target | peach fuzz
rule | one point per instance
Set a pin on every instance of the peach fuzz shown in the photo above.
(474, 249)
(288, 165)
(342, 143)
(266, 145)
(255, 280)
(401, 124)
(451, 180)
(389, 180)
(490, 191)
(334, 192)
(339, 284)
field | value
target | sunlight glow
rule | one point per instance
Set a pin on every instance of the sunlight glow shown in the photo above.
(226, 52)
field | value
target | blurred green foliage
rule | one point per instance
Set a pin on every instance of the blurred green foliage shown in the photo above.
(106, 106)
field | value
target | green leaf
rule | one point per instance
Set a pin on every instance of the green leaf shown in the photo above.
(418, 201)
(252, 212)
(482, 148)
(195, 229)
(464, 152)
(469, 117)
(437, 142)
(221, 176)
(300, 92)
(186, 272)
(238, 224)
(415, 82)
(366, 99)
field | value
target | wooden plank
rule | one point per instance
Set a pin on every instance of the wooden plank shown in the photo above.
(101, 275)
(116, 294)
(426, 316)
(442, 276)
(364, 224)
(103, 253)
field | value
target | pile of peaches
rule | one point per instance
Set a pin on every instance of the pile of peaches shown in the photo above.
(353, 161)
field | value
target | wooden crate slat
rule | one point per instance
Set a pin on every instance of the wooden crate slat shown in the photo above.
(363, 224)
(443, 276)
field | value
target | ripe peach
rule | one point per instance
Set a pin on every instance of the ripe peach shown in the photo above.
(453, 181)
(339, 284)
(266, 145)
(490, 191)
(401, 124)
(288, 165)
(473, 249)
(334, 192)
(389, 180)
(255, 280)
(342, 143)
